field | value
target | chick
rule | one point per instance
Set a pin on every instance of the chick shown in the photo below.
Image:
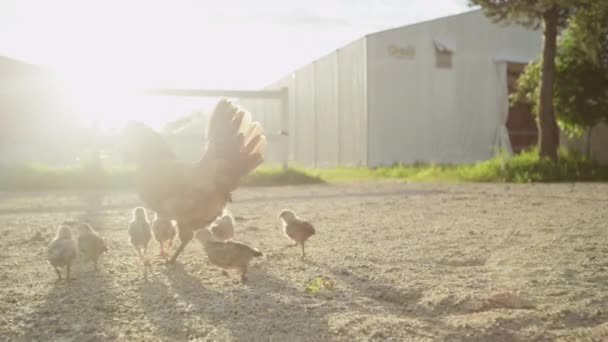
(164, 232)
(227, 254)
(61, 251)
(90, 244)
(139, 232)
(223, 228)
(296, 229)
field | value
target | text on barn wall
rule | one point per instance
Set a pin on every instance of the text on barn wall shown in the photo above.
(408, 52)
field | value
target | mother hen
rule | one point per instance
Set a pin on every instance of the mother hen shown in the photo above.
(195, 194)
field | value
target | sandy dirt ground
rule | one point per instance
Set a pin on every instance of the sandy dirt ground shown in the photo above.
(409, 262)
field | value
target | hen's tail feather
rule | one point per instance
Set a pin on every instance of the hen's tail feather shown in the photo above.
(235, 143)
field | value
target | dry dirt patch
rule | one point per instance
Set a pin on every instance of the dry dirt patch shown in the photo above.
(474, 262)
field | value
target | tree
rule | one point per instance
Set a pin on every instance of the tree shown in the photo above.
(552, 14)
(581, 83)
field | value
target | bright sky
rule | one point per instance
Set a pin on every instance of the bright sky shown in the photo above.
(197, 43)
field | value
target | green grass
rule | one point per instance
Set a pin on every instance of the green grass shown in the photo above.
(275, 176)
(43, 177)
(522, 168)
(38, 176)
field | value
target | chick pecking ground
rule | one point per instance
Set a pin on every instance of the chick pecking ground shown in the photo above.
(389, 261)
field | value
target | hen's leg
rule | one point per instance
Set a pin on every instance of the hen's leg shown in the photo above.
(185, 235)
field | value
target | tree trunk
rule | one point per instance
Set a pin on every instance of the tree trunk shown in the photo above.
(588, 142)
(547, 126)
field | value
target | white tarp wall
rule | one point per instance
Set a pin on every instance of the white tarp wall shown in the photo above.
(419, 112)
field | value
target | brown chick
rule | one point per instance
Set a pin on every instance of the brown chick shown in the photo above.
(90, 244)
(227, 254)
(195, 194)
(223, 228)
(164, 233)
(296, 229)
(140, 233)
(61, 251)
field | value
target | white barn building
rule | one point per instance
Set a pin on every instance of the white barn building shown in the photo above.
(435, 91)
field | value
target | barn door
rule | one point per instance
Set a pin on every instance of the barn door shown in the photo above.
(521, 123)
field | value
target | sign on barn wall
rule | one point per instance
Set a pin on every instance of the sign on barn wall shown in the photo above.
(399, 52)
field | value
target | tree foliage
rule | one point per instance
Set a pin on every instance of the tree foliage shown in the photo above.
(552, 14)
(581, 84)
(580, 88)
(528, 13)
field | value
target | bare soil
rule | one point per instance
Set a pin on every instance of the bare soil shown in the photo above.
(409, 262)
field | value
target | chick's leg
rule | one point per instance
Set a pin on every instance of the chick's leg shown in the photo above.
(303, 251)
(58, 273)
(67, 272)
(185, 236)
(138, 253)
(244, 274)
(162, 248)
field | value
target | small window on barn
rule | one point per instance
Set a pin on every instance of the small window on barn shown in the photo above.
(443, 55)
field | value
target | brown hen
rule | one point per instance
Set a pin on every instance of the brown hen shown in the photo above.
(195, 194)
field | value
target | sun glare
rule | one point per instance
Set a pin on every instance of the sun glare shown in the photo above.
(106, 64)
(110, 101)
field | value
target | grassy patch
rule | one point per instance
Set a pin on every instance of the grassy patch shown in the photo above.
(276, 176)
(37, 177)
(522, 168)
(43, 177)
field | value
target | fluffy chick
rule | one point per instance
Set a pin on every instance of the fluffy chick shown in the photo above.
(90, 244)
(227, 254)
(296, 229)
(61, 251)
(164, 232)
(223, 228)
(139, 232)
